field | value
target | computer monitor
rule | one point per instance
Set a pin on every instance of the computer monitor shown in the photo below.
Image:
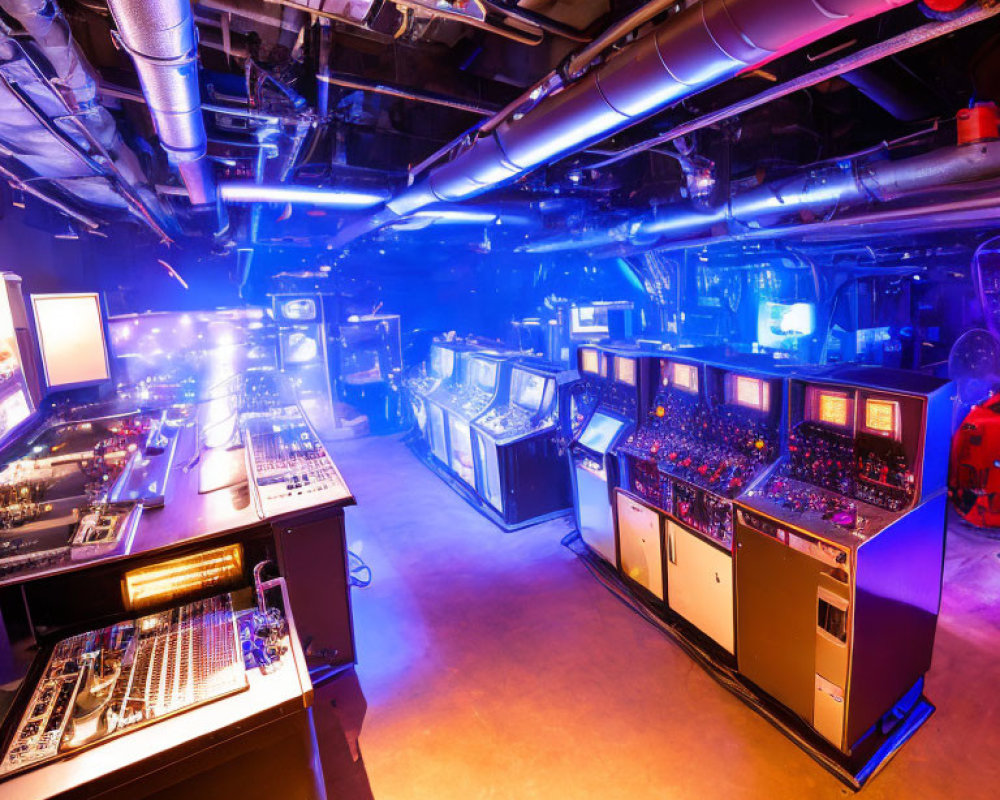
(484, 374)
(528, 390)
(70, 329)
(600, 432)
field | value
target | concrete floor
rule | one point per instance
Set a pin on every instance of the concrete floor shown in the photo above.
(495, 666)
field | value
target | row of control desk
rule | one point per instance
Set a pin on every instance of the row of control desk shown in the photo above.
(790, 522)
(171, 582)
(488, 421)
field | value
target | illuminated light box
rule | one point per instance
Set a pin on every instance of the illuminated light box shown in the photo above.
(219, 568)
(684, 376)
(71, 339)
(589, 361)
(625, 370)
(882, 417)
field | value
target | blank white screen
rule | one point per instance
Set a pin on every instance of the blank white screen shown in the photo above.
(71, 338)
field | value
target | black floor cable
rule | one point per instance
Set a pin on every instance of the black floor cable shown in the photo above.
(722, 675)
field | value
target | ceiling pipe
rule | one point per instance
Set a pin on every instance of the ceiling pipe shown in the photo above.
(814, 193)
(582, 59)
(697, 48)
(405, 93)
(869, 55)
(160, 37)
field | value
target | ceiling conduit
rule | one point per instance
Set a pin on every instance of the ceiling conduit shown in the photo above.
(697, 48)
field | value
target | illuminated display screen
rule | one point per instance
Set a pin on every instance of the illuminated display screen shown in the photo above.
(15, 405)
(528, 390)
(780, 325)
(752, 393)
(600, 432)
(882, 416)
(300, 309)
(833, 409)
(685, 376)
(442, 361)
(484, 374)
(625, 370)
(71, 339)
(590, 361)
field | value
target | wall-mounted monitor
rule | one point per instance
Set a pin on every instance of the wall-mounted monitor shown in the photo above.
(71, 340)
(684, 377)
(781, 325)
(625, 370)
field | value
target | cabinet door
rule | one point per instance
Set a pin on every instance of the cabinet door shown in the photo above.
(593, 507)
(439, 444)
(700, 584)
(460, 440)
(640, 542)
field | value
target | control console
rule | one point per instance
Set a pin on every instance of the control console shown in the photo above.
(290, 466)
(528, 407)
(853, 461)
(108, 682)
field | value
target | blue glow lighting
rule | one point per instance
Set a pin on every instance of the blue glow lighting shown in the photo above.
(455, 215)
(247, 192)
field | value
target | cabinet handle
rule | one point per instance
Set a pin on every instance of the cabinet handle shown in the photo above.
(671, 555)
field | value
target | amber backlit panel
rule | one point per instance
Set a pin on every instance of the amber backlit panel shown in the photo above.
(167, 580)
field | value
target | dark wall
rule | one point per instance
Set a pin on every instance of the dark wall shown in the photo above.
(123, 263)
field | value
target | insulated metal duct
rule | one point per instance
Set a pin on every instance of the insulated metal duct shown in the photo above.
(820, 191)
(59, 103)
(160, 37)
(695, 49)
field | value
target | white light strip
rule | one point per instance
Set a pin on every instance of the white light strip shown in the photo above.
(246, 192)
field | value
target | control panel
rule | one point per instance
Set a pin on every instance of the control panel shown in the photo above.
(57, 494)
(713, 428)
(529, 406)
(291, 468)
(853, 457)
(108, 682)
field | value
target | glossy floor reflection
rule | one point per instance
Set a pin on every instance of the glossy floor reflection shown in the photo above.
(495, 666)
